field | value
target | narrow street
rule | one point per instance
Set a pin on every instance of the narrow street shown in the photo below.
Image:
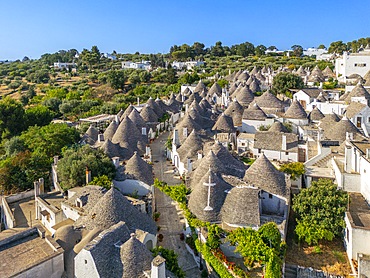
(171, 221)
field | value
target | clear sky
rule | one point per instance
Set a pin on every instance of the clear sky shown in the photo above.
(32, 28)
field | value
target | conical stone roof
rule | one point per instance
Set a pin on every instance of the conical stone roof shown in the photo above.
(244, 95)
(278, 127)
(254, 86)
(127, 112)
(111, 149)
(269, 101)
(338, 131)
(224, 124)
(316, 115)
(111, 129)
(198, 200)
(128, 135)
(188, 123)
(210, 161)
(241, 207)
(235, 111)
(265, 176)
(254, 112)
(191, 146)
(112, 208)
(148, 114)
(138, 169)
(215, 89)
(295, 111)
(93, 133)
(156, 108)
(358, 91)
(327, 72)
(137, 120)
(135, 257)
(367, 78)
(244, 76)
(200, 86)
(329, 120)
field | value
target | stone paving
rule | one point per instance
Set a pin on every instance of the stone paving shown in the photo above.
(171, 220)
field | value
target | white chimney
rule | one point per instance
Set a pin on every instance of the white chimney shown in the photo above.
(41, 186)
(143, 131)
(56, 158)
(283, 143)
(100, 138)
(200, 155)
(116, 119)
(158, 267)
(190, 166)
(88, 176)
(185, 132)
(368, 153)
(349, 135)
(176, 139)
(147, 150)
(138, 101)
(115, 161)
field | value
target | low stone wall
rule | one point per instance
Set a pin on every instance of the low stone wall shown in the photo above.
(20, 196)
(7, 214)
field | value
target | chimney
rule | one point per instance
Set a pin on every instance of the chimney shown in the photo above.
(200, 155)
(186, 107)
(115, 161)
(100, 138)
(349, 136)
(41, 186)
(368, 153)
(147, 150)
(143, 131)
(185, 132)
(37, 188)
(189, 165)
(56, 158)
(116, 119)
(88, 176)
(176, 139)
(158, 267)
(283, 143)
(138, 101)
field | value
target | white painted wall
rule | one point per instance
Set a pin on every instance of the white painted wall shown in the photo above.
(358, 240)
(349, 64)
(251, 126)
(273, 205)
(70, 212)
(277, 155)
(85, 265)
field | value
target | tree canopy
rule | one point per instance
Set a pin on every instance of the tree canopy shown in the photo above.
(320, 211)
(284, 81)
(71, 168)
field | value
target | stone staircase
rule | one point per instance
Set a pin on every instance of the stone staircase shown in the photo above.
(323, 163)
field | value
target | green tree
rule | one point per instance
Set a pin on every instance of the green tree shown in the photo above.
(11, 117)
(38, 115)
(49, 139)
(71, 168)
(297, 50)
(117, 79)
(337, 47)
(294, 169)
(260, 50)
(103, 181)
(284, 81)
(321, 46)
(320, 211)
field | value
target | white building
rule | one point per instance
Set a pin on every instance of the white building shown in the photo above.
(144, 65)
(186, 65)
(60, 65)
(313, 51)
(352, 63)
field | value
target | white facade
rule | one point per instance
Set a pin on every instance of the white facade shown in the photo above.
(337, 107)
(313, 51)
(352, 63)
(188, 65)
(277, 155)
(59, 65)
(144, 65)
(252, 126)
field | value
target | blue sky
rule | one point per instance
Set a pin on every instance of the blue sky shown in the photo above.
(32, 28)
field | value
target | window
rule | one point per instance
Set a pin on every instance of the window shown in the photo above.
(368, 119)
(362, 65)
(270, 196)
(85, 261)
(259, 150)
(286, 153)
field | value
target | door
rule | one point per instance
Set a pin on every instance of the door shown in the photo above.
(359, 121)
(301, 155)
